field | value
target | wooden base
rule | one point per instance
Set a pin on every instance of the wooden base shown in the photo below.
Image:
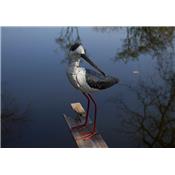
(95, 142)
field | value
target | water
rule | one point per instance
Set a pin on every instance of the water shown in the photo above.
(137, 112)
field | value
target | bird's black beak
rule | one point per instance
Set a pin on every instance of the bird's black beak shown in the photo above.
(92, 64)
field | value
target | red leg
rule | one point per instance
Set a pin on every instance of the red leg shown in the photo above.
(89, 135)
(87, 114)
(95, 114)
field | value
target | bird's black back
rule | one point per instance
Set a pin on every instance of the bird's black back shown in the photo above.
(98, 81)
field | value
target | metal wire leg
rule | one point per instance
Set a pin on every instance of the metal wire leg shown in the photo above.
(90, 134)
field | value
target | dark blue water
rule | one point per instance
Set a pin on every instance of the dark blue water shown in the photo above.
(34, 76)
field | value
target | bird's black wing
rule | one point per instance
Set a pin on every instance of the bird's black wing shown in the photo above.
(98, 81)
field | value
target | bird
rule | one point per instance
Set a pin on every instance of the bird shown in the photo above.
(87, 81)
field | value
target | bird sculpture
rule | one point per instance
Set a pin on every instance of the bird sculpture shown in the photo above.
(87, 81)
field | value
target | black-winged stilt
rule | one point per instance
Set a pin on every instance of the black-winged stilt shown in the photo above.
(87, 81)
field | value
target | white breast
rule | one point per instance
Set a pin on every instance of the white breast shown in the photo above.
(77, 77)
(71, 74)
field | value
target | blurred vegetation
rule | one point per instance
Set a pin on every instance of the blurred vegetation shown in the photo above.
(67, 37)
(145, 40)
(12, 117)
(153, 123)
(137, 41)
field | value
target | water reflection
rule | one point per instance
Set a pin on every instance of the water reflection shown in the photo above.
(153, 122)
(107, 29)
(13, 115)
(145, 40)
(138, 40)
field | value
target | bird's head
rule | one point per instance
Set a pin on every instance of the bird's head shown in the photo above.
(78, 51)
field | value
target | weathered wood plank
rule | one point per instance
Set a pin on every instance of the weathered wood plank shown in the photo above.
(77, 107)
(95, 142)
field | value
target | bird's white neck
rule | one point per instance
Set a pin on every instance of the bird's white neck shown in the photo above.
(73, 66)
(74, 63)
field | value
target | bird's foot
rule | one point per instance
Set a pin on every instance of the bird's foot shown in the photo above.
(83, 134)
(79, 126)
(87, 135)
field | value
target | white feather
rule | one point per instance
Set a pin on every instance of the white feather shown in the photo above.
(77, 77)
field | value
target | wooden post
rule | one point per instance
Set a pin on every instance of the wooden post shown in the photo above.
(95, 142)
